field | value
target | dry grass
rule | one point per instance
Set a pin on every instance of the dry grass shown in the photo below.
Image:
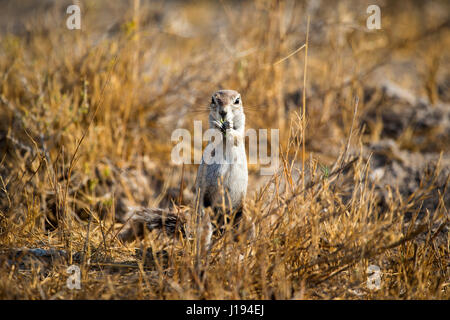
(86, 119)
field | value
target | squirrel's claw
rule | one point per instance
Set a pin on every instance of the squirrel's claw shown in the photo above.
(217, 124)
(222, 126)
(226, 125)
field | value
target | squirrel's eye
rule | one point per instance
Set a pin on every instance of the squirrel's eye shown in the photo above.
(237, 100)
(212, 100)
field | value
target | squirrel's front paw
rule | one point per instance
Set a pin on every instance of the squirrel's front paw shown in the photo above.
(225, 126)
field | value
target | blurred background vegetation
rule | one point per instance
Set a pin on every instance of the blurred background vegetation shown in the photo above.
(86, 118)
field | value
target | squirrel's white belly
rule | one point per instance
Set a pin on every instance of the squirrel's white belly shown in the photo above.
(229, 175)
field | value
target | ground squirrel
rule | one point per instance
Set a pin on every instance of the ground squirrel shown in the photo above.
(222, 176)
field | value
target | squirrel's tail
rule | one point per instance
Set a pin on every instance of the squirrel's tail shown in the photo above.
(140, 218)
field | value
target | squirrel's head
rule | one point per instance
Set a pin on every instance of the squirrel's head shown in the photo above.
(226, 105)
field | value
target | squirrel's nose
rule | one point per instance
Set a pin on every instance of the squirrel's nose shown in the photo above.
(223, 113)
